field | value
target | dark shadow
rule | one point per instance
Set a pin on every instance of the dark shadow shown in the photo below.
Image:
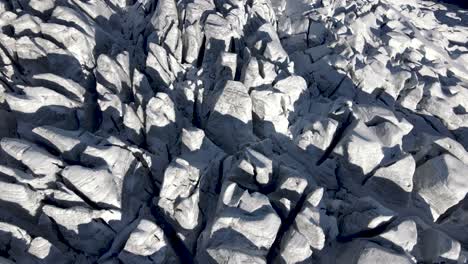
(452, 3)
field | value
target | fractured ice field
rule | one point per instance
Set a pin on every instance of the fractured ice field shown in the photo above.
(233, 131)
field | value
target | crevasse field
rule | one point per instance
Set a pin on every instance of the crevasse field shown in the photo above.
(233, 131)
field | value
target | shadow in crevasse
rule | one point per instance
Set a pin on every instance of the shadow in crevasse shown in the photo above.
(67, 67)
(20, 250)
(98, 229)
(447, 16)
(451, 3)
